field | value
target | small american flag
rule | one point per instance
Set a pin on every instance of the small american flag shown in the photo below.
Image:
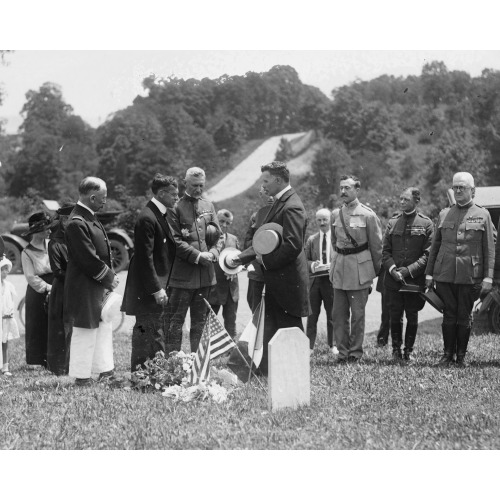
(214, 342)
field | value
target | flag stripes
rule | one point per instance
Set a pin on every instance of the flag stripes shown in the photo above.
(214, 342)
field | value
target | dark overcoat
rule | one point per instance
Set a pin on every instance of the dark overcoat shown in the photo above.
(188, 221)
(285, 269)
(151, 266)
(225, 287)
(89, 272)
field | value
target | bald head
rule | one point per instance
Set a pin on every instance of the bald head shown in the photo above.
(323, 219)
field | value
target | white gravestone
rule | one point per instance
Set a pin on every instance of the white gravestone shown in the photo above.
(289, 371)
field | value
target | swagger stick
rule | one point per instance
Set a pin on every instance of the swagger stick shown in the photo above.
(261, 305)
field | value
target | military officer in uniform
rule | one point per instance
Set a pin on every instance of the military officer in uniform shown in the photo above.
(461, 263)
(356, 260)
(406, 246)
(193, 272)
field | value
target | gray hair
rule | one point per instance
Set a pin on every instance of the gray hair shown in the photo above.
(90, 185)
(195, 172)
(464, 176)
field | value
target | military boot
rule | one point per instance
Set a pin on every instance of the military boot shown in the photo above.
(449, 340)
(463, 335)
(410, 336)
(397, 340)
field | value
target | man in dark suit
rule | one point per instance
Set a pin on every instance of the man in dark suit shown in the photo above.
(226, 292)
(89, 274)
(285, 269)
(318, 253)
(193, 274)
(149, 271)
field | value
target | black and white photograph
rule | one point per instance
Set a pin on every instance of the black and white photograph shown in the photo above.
(223, 244)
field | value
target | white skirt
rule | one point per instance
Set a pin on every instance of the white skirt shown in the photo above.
(10, 330)
(91, 350)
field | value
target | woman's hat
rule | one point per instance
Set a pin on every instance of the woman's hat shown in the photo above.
(38, 222)
(111, 304)
(434, 299)
(267, 238)
(225, 256)
(212, 234)
(6, 262)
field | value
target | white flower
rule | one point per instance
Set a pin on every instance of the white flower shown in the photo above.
(185, 233)
(157, 387)
(181, 354)
(186, 367)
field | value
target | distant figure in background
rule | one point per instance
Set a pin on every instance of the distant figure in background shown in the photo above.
(255, 272)
(10, 330)
(36, 268)
(191, 221)
(89, 276)
(406, 246)
(149, 271)
(318, 253)
(226, 292)
(59, 334)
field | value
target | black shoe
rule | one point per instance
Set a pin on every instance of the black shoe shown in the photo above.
(461, 361)
(381, 343)
(352, 359)
(407, 356)
(396, 354)
(445, 360)
(83, 382)
(340, 361)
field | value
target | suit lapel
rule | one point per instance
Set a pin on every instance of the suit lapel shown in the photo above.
(161, 219)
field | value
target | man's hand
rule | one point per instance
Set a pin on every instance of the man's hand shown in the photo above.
(429, 282)
(206, 258)
(485, 288)
(115, 283)
(396, 274)
(315, 264)
(403, 271)
(160, 297)
(234, 262)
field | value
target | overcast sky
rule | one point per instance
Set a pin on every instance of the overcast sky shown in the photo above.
(97, 83)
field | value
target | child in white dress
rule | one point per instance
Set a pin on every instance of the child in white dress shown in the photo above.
(9, 328)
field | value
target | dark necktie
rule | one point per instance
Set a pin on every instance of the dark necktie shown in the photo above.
(323, 248)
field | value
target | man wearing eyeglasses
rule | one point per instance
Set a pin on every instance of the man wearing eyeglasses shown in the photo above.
(461, 263)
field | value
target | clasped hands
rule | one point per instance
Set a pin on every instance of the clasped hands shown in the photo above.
(206, 258)
(400, 273)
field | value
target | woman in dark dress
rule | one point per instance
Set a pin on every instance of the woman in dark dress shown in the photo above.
(59, 335)
(36, 268)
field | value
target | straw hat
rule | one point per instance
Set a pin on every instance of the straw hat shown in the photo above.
(111, 304)
(227, 254)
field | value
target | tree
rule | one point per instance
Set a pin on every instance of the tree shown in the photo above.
(284, 151)
(57, 147)
(436, 83)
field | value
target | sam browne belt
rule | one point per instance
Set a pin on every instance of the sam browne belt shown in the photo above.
(350, 251)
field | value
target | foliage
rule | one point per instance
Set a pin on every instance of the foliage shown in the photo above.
(284, 151)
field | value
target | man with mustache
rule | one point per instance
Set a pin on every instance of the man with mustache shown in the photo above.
(357, 256)
(318, 253)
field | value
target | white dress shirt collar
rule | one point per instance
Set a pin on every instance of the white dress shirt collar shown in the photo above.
(161, 207)
(282, 192)
(85, 206)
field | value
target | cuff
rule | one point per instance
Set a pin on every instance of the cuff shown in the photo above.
(428, 277)
(391, 268)
(197, 259)
(487, 280)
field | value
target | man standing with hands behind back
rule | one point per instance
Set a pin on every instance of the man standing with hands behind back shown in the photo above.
(149, 271)
(88, 275)
(357, 256)
(461, 262)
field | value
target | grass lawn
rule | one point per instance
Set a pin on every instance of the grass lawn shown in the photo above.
(376, 404)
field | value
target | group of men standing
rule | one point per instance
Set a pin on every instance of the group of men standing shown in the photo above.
(175, 268)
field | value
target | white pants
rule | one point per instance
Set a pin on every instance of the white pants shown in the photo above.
(91, 350)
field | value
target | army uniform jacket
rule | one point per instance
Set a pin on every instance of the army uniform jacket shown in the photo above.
(225, 286)
(463, 251)
(407, 242)
(89, 272)
(355, 271)
(188, 221)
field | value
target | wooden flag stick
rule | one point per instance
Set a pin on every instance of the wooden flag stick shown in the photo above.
(258, 326)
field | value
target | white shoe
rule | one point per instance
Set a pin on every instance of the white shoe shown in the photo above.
(7, 374)
(334, 350)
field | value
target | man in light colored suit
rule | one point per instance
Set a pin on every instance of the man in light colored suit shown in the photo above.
(226, 291)
(357, 256)
(318, 253)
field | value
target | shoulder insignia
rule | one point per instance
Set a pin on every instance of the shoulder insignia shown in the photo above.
(367, 208)
(424, 216)
(396, 215)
